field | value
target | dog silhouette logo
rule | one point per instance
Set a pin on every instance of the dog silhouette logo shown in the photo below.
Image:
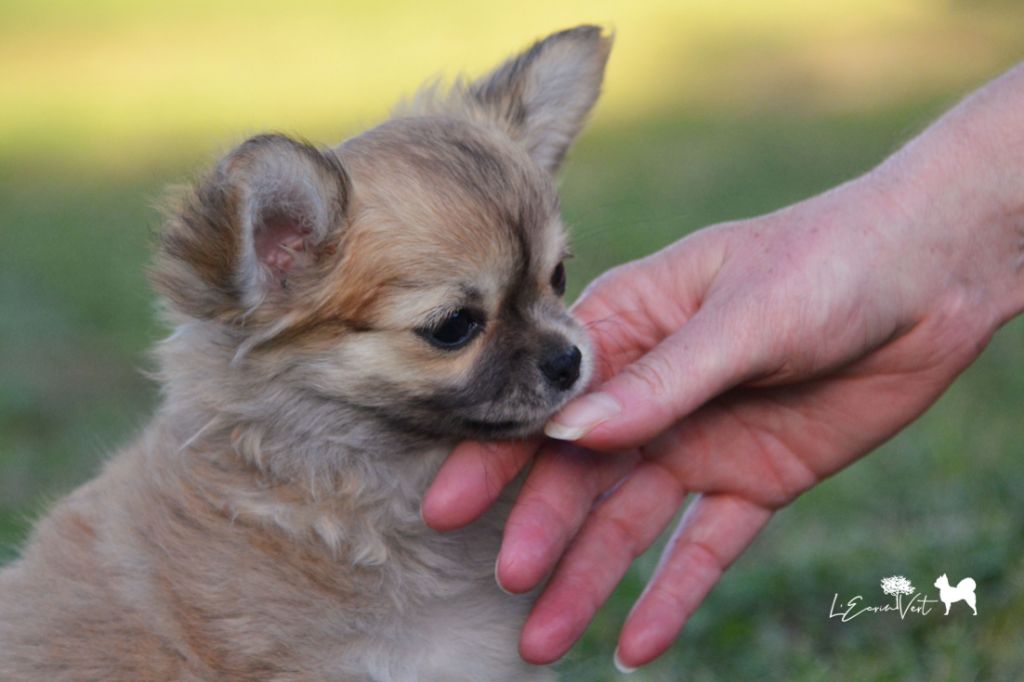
(964, 591)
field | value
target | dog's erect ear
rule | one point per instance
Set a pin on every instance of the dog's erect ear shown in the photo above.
(542, 96)
(252, 231)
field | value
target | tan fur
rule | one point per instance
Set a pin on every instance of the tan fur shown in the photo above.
(266, 525)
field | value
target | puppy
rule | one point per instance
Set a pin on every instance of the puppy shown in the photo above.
(341, 318)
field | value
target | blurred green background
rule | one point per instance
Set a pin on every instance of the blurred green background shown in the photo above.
(712, 111)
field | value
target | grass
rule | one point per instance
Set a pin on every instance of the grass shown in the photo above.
(769, 102)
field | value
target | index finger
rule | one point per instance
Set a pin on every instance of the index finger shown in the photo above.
(471, 479)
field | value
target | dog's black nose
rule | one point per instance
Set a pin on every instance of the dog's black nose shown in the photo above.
(562, 368)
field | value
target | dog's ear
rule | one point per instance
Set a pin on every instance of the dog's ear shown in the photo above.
(542, 96)
(254, 230)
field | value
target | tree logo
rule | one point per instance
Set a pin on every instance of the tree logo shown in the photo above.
(899, 586)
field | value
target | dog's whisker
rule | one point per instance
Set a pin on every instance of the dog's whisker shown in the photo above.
(214, 421)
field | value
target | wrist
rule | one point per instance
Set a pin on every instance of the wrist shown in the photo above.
(958, 190)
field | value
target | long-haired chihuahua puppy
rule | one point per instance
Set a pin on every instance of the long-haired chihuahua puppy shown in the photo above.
(341, 318)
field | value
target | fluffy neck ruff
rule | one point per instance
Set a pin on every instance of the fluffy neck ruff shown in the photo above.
(267, 453)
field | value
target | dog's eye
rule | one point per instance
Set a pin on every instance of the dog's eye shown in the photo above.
(558, 279)
(455, 331)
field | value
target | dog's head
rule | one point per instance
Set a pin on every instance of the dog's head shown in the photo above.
(415, 272)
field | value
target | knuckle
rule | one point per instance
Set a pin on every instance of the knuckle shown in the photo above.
(498, 473)
(684, 589)
(703, 559)
(536, 517)
(619, 531)
(652, 373)
(503, 463)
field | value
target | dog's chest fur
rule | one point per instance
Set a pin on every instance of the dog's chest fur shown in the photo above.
(201, 572)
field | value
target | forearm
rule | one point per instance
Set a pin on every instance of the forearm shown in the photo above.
(962, 183)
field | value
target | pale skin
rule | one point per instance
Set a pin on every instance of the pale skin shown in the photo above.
(746, 363)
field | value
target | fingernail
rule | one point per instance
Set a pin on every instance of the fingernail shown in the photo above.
(430, 499)
(582, 416)
(497, 580)
(620, 666)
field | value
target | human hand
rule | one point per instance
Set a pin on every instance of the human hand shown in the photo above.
(824, 328)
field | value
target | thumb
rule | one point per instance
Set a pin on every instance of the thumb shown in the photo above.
(646, 397)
